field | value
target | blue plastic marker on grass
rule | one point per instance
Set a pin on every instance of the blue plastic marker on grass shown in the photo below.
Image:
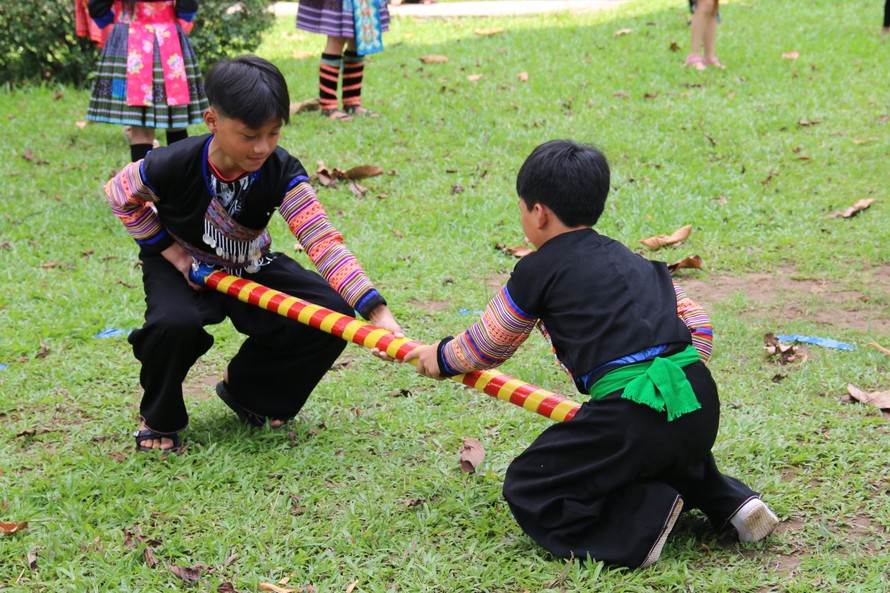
(113, 333)
(824, 342)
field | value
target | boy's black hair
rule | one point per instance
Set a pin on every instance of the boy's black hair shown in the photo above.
(249, 89)
(571, 179)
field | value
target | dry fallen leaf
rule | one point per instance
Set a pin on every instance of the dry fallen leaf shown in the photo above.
(312, 104)
(622, 94)
(302, 55)
(674, 239)
(32, 559)
(351, 587)
(784, 353)
(471, 455)
(363, 172)
(621, 32)
(519, 251)
(693, 262)
(806, 122)
(859, 206)
(189, 574)
(488, 32)
(791, 55)
(879, 399)
(433, 59)
(226, 587)
(357, 189)
(474, 76)
(674, 46)
(10, 528)
(80, 124)
(149, 556)
(523, 76)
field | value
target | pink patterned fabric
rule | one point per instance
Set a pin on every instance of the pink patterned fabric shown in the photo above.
(154, 22)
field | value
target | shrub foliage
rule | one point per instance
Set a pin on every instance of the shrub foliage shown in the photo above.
(38, 40)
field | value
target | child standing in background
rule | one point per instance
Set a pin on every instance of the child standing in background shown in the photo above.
(704, 35)
(611, 482)
(147, 76)
(357, 26)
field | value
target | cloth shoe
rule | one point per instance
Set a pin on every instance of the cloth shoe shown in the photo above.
(754, 521)
(655, 553)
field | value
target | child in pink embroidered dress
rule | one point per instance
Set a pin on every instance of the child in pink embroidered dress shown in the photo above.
(147, 76)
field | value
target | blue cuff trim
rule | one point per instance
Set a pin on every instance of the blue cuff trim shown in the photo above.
(516, 307)
(364, 300)
(296, 181)
(154, 239)
(186, 16)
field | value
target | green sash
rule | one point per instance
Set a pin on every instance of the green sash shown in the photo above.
(659, 383)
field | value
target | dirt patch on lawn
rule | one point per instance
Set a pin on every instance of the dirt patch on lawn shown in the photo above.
(785, 295)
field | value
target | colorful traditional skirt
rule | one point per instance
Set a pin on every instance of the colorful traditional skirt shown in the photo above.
(328, 17)
(148, 75)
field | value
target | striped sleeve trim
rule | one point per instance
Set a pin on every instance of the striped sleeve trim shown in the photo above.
(491, 340)
(309, 223)
(130, 199)
(698, 322)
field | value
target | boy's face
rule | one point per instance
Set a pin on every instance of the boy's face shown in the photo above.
(236, 146)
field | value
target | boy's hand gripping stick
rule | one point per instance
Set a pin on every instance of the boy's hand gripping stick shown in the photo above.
(504, 387)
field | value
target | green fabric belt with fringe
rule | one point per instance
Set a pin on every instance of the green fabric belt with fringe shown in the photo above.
(659, 383)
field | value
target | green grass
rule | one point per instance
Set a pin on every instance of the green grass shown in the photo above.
(365, 485)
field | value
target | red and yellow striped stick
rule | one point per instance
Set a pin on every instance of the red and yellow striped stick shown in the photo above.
(503, 387)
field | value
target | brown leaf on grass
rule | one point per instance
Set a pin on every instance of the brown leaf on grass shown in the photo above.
(328, 177)
(28, 155)
(693, 263)
(433, 59)
(44, 350)
(303, 54)
(351, 587)
(149, 556)
(80, 124)
(357, 189)
(32, 559)
(10, 528)
(363, 172)
(275, 588)
(791, 55)
(621, 32)
(227, 587)
(488, 32)
(621, 94)
(805, 122)
(879, 399)
(471, 455)
(473, 77)
(675, 239)
(305, 105)
(674, 46)
(189, 574)
(783, 353)
(856, 208)
(522, 76)
(519, 251)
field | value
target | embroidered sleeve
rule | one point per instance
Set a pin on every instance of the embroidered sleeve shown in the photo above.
(698, 322)
(130, 199)
(491, 340)
(324, 245)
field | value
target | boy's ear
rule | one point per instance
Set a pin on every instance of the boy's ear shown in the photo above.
(541, 215)
(211, 119)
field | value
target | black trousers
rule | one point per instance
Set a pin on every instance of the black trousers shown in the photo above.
(277, 366)
(604, 482)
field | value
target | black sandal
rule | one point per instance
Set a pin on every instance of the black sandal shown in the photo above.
(336, 114)
(147, 434)
(246, 416)
(361, 111)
